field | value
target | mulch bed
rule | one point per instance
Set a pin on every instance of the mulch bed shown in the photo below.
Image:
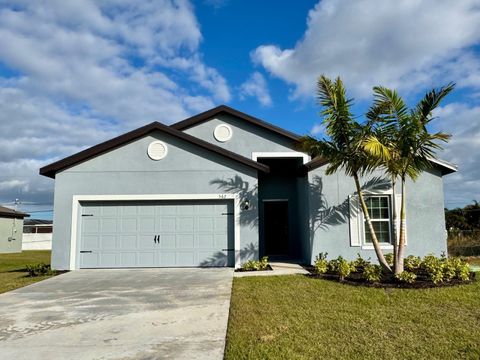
(355, 279)
(269, 268)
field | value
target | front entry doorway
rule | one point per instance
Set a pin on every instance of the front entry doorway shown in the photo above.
(276, 227)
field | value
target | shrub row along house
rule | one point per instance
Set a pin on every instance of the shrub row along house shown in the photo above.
(218, 189)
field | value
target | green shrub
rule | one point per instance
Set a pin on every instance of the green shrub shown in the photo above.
(255, 265)
(460, 268)
(372, 273)
(389, 259)
(341, 267)
(406, 276)
(321, 263)
(39, 269)
(434, 268)
(412, 262)
(359, 262)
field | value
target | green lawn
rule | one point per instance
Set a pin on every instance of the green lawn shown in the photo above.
(12, 268)
(295, 317)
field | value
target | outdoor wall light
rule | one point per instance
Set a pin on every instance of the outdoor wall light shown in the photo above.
(246, 205)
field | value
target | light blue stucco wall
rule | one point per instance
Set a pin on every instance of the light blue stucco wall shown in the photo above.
(330, 233)
(187, 169)
(247, 137)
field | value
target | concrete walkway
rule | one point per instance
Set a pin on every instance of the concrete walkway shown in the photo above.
(278, 268)
(118, 314)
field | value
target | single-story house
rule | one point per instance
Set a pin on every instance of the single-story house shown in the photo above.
(37, 234)
(11, 229)
(217, 189)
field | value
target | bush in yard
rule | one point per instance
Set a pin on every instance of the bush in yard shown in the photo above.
(389, 259)
(255, 265)
(434, 268)
(372, 273)
(412, 262)
(40, 269)
(407, 277)
(460, 268)
(321, 263)
(341, 267)
(360, 263)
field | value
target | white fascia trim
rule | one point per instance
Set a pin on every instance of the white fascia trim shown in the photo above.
(280, 154)
(76, 199)
(444, 163)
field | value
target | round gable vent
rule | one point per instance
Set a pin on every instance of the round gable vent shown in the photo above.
(157, 150)
(223, 132)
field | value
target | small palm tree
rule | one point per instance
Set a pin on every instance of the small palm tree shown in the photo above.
(344, 148)
(401, 143)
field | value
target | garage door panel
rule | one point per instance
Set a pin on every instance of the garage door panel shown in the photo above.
(108, 225)
(185, 223)
(185, 241)
(128, 242)
(91, 241)
(205, 224)
(146, 224)
(168, 224)
(168, 241)
(108, 259)
(205, 241)
(161, 233)
(108, 242)
(185, 258)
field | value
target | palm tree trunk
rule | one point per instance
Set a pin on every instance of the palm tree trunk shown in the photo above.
(403, 223)
(376, 245)
(395, 230)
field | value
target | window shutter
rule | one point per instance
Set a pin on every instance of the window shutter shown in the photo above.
(355, 218)
(398, 207)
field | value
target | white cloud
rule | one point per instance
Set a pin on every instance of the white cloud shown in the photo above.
(461, 121)
(84, 71)
(401, 44)
(256, 86)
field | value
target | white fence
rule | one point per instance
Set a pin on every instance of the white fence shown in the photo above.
(37, 241)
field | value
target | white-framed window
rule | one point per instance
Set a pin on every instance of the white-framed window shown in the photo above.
(379, 210)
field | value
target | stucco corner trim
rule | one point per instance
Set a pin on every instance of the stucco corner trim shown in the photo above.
(77, 199)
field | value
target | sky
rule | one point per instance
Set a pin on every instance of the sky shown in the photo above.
(75, 73)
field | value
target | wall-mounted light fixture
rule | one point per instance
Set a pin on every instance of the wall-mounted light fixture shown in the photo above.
(246, 204)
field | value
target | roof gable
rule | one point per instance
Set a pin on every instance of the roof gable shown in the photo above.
(52, 169)
(205, 116)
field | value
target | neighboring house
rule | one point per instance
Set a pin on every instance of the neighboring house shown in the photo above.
(37, 234)
(217, 189)
(11, 226)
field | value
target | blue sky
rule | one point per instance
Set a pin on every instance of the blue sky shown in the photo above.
(75, 73)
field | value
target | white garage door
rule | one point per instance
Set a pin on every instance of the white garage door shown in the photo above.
(156, 234)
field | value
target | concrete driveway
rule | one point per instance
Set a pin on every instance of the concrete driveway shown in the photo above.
(118, 314)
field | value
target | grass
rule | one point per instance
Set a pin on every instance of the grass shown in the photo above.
(12, 268)
(295, 317)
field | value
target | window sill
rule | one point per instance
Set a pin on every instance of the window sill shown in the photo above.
(383, 247)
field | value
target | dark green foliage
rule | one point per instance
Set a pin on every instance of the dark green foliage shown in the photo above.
(372, 273)
(39, 269)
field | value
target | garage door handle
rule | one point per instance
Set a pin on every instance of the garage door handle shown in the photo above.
(156, 239)
(228, 249)
(85, 251)
(228, 213)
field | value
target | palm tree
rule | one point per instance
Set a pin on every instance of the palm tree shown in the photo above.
(343, 150)
(402, 144)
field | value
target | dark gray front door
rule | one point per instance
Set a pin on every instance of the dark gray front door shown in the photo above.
(275, 217)
(156, 234)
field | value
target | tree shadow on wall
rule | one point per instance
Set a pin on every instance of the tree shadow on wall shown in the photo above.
(237, 185)
(221, 259)
(324, 216)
